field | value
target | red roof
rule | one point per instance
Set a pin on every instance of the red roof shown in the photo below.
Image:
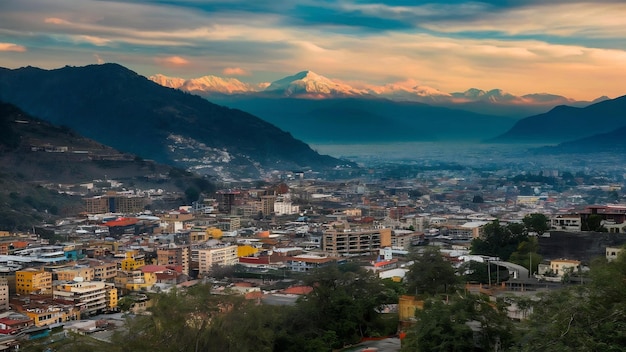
(298, 290)
(121, 222)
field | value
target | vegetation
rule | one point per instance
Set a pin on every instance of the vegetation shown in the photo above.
(342, 309)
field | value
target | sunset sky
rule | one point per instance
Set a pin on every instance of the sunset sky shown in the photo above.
(572, 48)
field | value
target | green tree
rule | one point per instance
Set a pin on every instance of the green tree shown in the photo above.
(498, 240)
(536, 222)
(430, 273)
(526, 255)
(464, 323)
(588, 317)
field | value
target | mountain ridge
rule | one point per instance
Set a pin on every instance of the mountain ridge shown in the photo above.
(308, 84)
(118, 107)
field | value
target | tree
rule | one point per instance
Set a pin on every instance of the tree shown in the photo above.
(590, 317)
(526, 255)
(536, 222)
(499, 241)
(464, 323)
(430, 273)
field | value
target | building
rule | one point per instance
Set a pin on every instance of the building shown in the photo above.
(91, 297)
(114, 202)
(267, 204)
(306, 262)
(4, 294)
(351, 242)
(612, 253)
(33, 281)
(47, 311)
(103, 271)
(133, 261)
(564, 266)
(174, 255)
(220, 256)
(566, 223)
(68, 274)
(135, 280)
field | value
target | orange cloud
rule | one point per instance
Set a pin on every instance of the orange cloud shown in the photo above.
(54, 20)
(12, 47)
(172, 61)
(235, 71)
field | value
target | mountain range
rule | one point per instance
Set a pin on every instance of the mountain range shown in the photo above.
(117, 107)
(310, 85)
(566, 123)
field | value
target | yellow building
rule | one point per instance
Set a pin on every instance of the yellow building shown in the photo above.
(53, 314)
(133, 261)
(33, 281)
(111, 297)
(135, 280)
(68, 274)
(564, 266)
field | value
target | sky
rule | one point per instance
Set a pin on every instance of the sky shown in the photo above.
(572, 48)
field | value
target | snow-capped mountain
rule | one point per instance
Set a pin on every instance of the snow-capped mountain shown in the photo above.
(206, 84)
(409, 91)
(310, 84)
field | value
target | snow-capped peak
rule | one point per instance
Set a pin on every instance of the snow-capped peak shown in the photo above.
(171, 82)
(309, 83)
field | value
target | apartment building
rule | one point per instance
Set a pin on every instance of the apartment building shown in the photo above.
(354, 242)
(33, 281)
(220, 255)
(174, 255)
(68, 274)
(89, 296)
(114, 202)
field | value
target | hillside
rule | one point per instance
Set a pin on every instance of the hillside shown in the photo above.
(342, 120)
(44, 166)
(565, 123)
(122, 109)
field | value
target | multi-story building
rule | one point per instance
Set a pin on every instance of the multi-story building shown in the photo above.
(33, 281)
(133, 261)
(103, 271)
(566, 223)
(220, 256)
(305, 262)
(4, 294)
(226, 200)
(135, 280)
(89, 296)
(284, 207)
(267, 204)
(174, 255)
(68, 274)
(403, 238)
(48, 311)
(114, 202)
(353, 242)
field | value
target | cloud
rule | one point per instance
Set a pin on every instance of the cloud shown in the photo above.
(235, 71)
(172, 61)
(98, 59)
(12, 47)
(92, 40)
(54, 20)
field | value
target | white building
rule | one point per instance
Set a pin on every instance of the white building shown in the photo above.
(89, 296)
(219, 255)
(283, 207)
